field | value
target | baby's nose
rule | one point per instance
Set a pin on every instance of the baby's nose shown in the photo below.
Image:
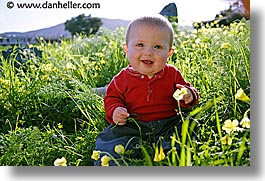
(148, 51)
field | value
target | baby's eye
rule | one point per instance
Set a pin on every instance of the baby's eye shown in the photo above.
(158, 47)
(139, 45)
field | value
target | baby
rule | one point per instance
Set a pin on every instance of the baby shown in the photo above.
(144, 90)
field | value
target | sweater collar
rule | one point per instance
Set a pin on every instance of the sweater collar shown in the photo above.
(136, 74)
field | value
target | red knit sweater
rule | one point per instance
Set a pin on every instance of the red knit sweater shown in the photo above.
(146, 99)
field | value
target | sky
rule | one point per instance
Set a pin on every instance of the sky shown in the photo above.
(21, 20)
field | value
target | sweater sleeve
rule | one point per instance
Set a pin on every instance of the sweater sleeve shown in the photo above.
(113, 99)
(195, 98)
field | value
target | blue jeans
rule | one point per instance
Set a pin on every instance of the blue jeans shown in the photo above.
(130, 135)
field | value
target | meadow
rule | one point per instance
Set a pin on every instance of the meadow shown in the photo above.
(49, 109)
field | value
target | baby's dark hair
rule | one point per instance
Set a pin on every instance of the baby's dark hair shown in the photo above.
(156, 20)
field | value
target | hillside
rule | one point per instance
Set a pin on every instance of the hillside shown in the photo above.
(59, 31)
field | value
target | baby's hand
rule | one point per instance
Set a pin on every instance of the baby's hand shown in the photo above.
(187, 98)
(120, 115)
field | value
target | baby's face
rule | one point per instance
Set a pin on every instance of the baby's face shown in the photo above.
(148, 49)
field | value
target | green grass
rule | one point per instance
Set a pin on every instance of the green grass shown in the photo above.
(48, 109)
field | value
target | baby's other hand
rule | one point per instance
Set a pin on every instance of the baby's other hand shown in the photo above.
(120, 115)
(187, 98)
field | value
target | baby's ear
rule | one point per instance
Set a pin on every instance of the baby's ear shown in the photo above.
(125, 48)
(170, 52)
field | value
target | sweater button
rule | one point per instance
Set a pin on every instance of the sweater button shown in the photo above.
(142, 76)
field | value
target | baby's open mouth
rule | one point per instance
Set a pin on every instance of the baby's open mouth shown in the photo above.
(147, 61)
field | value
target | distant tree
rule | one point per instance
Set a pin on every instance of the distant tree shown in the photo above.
(83, 24)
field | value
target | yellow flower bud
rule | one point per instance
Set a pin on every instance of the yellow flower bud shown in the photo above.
(240, 95)
(95, 155)
(245, 122)
(159, 154)
(119, 149)
(156, 158)
(226, 140)
(105, 160)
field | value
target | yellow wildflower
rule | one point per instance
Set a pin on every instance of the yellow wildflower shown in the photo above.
(226, 140)
(46, 67)
(225, 45)
(105, 160)
(198, 41)
(79, 138)
(240, 95)
(95, 155)
(60, 162)
(230, 126)
(4, 82)
(159, 155)
(245, 122)
(179, 93)
(119, 149)
(60, 126)
(70, 66)
(156, 158)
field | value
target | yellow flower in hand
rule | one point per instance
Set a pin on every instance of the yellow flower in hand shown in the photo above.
(240, 95)
(179, 93)
(119, 149)
(105, 160)
(60, 162)
(95, 155)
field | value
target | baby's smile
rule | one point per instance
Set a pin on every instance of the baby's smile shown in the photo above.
(148, 62)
